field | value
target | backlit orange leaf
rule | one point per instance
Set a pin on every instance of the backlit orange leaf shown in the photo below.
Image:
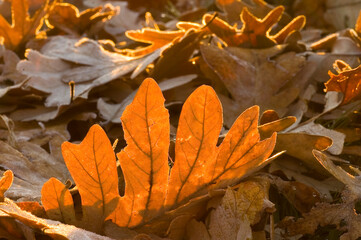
(5, 183)
(347, 81)
(145, 159)
(157, 38)
(58, 202)
(199, 125)
(66, 17)
(152, 189)
(255, 32)
(93, 168)
(23, 27)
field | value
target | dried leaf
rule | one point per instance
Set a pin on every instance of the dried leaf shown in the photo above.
(149, 192)
(58, 202)
(254, 32)
(146, 130)
(113, 112)
(352, 182)
(53, 229)
(66, 17)
(343, 215)
(97, 180)
(51, 72)
(251, 78)
(23, 26)
(156, 38)
(5, 182)
(347, 81)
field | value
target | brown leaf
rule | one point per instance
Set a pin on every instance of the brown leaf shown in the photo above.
(50, 71)
(53, 229)
(347, 81)
(254, 32)
(343, 215)
(66, 17)
(251, 78)
(23, 26)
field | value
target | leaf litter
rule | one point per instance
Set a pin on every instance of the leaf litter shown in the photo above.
(179, 167)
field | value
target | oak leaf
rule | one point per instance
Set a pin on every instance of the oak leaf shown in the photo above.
(150, 191)
(67, 18)
(255, 32)
(347, 81)
(23, 26)
(157, 38)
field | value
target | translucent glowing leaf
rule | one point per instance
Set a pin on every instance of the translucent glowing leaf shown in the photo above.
(93, 168)
(23, 26)
(347, 81)
(5, 183)
(199, 125)
(145, 159)
(157, 38)
(255, 32)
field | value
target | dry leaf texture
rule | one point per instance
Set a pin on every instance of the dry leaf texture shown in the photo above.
(347, 81)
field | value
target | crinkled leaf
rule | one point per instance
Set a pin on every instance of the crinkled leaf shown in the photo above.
(347, 81)
(157, 38)
(254, 32)
(23, 26)
(66, 17)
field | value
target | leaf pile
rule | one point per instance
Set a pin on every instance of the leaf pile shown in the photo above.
(131, 120)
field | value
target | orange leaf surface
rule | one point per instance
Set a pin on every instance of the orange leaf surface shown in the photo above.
(5, 183)
(151, 187)
(23, 26)
(93, 167)
(157, 38)
(255, 32)
(145, 160)
(58, 202)
(199, 126)
(347, 81)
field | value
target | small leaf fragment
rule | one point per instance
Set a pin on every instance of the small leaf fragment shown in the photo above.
(5, 183)
(58, 202)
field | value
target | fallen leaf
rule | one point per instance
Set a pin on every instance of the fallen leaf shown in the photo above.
(352, 182)
(343, 215)
(58, 202)
(113, 112)
(240, 209)
(51, 72)
(67, 18)
(53, 229)
(144, 161)
(347, 81)
(98, 180)
(254, 32)
(5, 182)
(23, 26)
(251, 78)
(156, 38)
